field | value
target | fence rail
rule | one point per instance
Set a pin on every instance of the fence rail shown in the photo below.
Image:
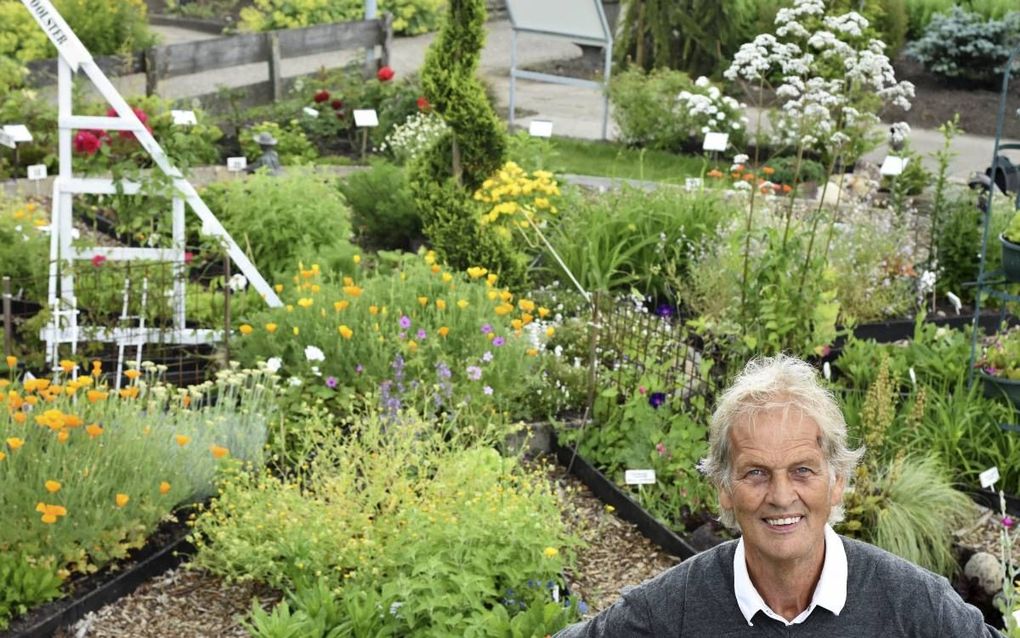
(189, 58)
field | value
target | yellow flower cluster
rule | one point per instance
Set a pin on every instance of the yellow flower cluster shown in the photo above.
(517, 196)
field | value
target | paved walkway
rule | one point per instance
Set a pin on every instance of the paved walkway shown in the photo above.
(574, 112)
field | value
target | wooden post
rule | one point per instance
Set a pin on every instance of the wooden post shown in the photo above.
(275, 72)
(8, 329)
(226, 307)
(152, 57)
(387, 44)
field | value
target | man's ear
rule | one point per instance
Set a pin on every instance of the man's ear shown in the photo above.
(725, 500)
(837, 491)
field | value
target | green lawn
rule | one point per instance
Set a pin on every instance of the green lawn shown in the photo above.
(607, 159)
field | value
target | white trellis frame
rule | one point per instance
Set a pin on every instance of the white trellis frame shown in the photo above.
(64, 326)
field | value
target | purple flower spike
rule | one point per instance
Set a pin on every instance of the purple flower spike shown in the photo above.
(405, 322)
(331, 382)
(656, 399)
(664, 310)
(1008, 522)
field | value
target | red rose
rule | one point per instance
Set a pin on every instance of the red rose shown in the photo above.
(188, 257)
(385, 74)
(86, 142)
(98, 260)
(423, 104)
(321, 96)
(337, 104)
(139, 113)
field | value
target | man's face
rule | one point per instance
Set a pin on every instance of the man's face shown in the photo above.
(781, 494)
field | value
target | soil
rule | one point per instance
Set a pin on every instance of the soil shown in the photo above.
(937, 100)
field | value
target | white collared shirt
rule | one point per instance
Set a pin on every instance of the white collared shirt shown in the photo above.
(830, 592)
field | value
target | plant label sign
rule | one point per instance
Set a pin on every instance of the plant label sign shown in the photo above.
(183, 118)
(7, 140)
(366, 118)
(989, 477)
(715, 141)
(18, 132)
(692, 184)
(540, 128)
(893, 165)
(36, 172)
(237, 163)
(639, 477)
(310, 112)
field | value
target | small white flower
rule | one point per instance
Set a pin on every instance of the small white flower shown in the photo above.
(827, 371)
(953, 299)
(313, 353)
(294, 381)
(274, 364)
(237, 283)
(913, 377)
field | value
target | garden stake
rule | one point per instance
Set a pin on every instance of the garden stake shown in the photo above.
(7, 316)
(226, 308)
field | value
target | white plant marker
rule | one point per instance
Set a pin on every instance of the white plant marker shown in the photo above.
(63, 327)
(540, 128)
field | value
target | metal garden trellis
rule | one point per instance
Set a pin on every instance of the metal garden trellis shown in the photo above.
(987, 280)
(63, 326)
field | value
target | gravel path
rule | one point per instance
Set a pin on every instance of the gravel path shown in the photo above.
(187, 603)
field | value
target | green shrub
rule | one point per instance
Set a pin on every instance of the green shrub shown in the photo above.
(24, 584)
(382, 207)
(696, 37)
(279, 221)
(410, 17)
(444, 178)
(636, 239)
(24, 249)
(786, 171)
(439, 556)
(23, 106)
(105, 27)
(663, 109)
(921, 12)
(965, 46)
(292, 144)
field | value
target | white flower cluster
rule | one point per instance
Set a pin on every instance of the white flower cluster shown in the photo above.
(898, 133)
(706, 109)
(416, 134)
(824, 70)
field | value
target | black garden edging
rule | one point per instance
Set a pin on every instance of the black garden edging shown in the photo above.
(627, 508)
(897, 329)
(109, 584)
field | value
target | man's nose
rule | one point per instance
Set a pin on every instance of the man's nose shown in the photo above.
(781, 492)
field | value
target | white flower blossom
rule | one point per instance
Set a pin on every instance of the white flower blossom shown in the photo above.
(313, 353)
(274, 364)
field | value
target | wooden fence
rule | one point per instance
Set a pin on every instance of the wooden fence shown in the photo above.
(176, 60)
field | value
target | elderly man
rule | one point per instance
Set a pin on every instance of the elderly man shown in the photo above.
(779, 458)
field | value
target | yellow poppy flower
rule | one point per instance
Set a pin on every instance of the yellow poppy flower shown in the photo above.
(305, 302)
(440, 304)
(443, 331)
(94, 430)
(14, 442)
(182, 439)
(218, 451)
(345, 332)
(271, 327)
(245, 329)
(134, 374)
(121, 499)
(462, 304)
(164, 487)
(52, 486)
(68, 366)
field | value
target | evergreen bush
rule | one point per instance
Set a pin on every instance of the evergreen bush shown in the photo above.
(963, 46)
(444, 177)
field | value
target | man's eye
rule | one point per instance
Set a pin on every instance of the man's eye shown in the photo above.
(755, 473)
(804, 470)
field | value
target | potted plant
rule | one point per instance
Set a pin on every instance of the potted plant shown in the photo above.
(999, 367)
(1010, 239)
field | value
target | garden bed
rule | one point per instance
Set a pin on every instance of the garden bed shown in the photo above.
(165, 549)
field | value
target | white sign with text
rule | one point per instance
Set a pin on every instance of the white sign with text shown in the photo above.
(540, 128)
(37, 171)
(716, 141)
(989, 477)
(18, 132)
(237, 163)
(183, 118)
(366, 118)
(639, 477)
(894, 165)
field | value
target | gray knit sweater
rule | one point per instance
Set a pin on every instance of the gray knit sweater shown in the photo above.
(886, 596)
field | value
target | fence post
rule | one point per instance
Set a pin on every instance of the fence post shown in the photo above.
(8, 329)
(226, 308)
(152, 58)
(275, 72)
(371, 11)
(387, 38)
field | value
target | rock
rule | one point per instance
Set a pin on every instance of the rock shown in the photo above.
(987, 570)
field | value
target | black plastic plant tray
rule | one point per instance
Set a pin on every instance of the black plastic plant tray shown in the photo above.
(626, 507)
(164, 551)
